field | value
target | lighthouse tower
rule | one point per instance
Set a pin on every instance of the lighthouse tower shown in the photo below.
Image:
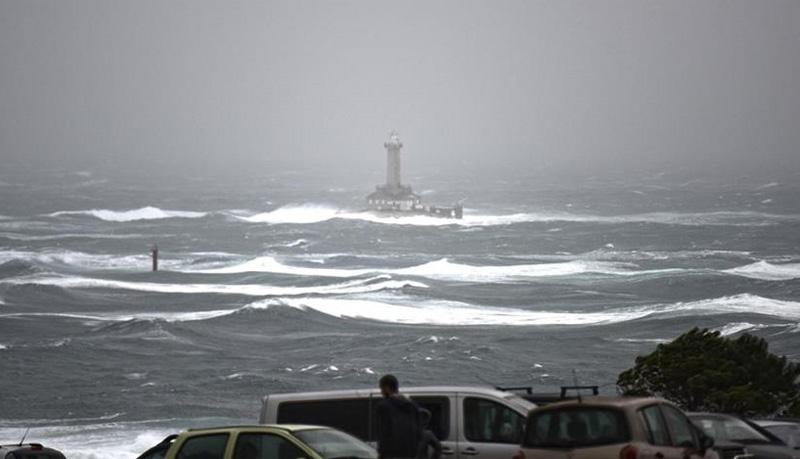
(393, 146)
(393, 196)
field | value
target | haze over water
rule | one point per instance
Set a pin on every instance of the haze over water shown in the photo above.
(628, 169)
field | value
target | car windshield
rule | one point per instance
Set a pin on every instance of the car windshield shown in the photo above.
(580, 426)
(789, 433)
(333, 444)
(730, 429)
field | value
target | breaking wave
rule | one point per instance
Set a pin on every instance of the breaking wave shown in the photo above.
(374, 284)
(453, 313)
(315, 213)
(764, 270)
(447, 270)
(444, 313)
(144, 213)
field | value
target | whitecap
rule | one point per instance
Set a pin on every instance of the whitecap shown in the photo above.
(144, 213)
(737, 327)
(317, 213)
(447, 270)
(293, 215)
(765, 270)
(374, 284)
(453, 313)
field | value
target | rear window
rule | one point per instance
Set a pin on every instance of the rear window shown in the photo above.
(576, 427)
(349, 415)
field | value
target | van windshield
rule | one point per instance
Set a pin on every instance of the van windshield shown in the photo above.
(333, 444)
(576, 426)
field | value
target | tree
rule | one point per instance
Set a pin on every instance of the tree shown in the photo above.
(703, 371)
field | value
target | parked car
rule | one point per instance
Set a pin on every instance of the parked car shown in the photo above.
(732, 429)
(613, 428)
(471, 422)
(159, 451)
(787, 431)
(267, 442)
(29, 451)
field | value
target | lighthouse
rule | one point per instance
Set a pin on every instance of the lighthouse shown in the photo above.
(393, 195)
(393, 146)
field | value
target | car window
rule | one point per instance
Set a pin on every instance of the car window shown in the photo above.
(724, 428)
(158, 452)
(576, 426)
(439, 407)
(331, 444)
(790, 434)
(486, 421)
(654, 426)
(204, 447)
(349, 415)
(680, 428)
(266, 446)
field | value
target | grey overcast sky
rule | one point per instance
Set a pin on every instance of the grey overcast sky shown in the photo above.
(582, 85)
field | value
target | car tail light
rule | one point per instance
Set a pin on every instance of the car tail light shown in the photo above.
(36, 447)
(520, 455)
(628, 452)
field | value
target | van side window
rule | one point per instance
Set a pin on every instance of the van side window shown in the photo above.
(486, 421)
(204, 447)
(348, 415)
(679, 427)
(654, 426)
(439, 407)
(265, 446)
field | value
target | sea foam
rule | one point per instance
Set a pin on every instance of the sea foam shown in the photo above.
(447, 270)
(144, 213)
(764, 270)
(317, 213)
(374, 284)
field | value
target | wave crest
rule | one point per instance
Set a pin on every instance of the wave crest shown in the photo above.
(374, 284)
(318, 213)
(764, 270)
(144, 213)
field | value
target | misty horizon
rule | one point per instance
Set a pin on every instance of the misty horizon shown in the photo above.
(568, 88)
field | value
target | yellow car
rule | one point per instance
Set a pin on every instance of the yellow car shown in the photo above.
(268, 442)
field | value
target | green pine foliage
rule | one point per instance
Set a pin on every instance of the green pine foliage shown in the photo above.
(703, 371)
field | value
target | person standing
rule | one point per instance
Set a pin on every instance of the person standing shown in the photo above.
(429, 446)
(399, 429)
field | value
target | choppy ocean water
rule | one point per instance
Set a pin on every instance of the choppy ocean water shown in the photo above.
(285, 283)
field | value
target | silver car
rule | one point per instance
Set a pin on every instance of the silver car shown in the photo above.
(471, 422)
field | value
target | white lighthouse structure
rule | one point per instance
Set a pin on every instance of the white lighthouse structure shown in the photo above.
(393, 196)
(393, 146)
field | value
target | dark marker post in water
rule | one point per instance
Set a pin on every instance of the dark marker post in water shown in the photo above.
(154, 253)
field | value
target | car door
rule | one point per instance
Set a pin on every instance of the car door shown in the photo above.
(443, 419)
(488, 429)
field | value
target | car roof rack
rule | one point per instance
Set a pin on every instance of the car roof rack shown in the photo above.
(544, 398)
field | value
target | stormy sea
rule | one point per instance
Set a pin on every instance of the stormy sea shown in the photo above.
(282, 281)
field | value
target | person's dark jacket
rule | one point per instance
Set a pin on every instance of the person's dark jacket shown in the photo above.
(399, 429)
(428, 442)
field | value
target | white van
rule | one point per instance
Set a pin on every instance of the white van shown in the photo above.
(471, 422)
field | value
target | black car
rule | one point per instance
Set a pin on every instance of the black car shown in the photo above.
(29, 451)
(730, 429)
